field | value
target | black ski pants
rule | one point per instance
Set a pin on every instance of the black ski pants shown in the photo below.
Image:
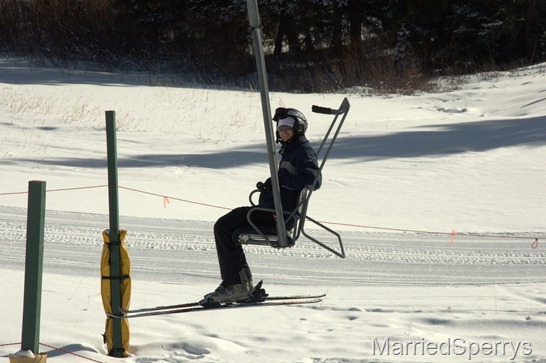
(231, 256)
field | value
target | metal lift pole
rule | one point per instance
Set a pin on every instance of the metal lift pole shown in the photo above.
(255, 25)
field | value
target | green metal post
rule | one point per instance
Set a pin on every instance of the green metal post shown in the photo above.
(115, 266)
(34, 262)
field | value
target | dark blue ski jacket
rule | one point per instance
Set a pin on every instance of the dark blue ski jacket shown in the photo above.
(298, 167)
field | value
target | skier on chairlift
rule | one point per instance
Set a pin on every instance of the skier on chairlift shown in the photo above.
(298, 167)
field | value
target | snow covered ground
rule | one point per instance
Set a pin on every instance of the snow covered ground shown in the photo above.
(439, 198)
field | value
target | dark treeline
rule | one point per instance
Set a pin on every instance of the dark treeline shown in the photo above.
(311, 45)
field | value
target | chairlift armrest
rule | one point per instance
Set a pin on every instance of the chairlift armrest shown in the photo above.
(254, 208)
(251, 195)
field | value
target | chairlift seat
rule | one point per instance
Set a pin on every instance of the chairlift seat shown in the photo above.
(248, 235)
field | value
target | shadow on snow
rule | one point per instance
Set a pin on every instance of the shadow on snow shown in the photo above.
(448, 139)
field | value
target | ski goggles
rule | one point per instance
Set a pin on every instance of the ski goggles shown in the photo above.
(284, 128)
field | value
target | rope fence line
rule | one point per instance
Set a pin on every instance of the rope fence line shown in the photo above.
(58, 190)
(166, 198)
(452, 233)
(71, 353)
(8, 344)
(58, 349)
(166, 201)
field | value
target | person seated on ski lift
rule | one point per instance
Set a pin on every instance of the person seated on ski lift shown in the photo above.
(298, 167)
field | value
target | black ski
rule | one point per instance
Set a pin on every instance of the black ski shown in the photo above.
(158, 308)
(228, 305)
(256, 295)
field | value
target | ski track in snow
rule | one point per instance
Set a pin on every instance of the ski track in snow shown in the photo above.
(180, 251)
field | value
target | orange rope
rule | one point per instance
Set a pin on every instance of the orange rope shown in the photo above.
(58, 349)
(58, 190)
(166, 200)
(173, 198)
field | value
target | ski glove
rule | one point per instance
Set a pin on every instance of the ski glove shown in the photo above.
(264, 186)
